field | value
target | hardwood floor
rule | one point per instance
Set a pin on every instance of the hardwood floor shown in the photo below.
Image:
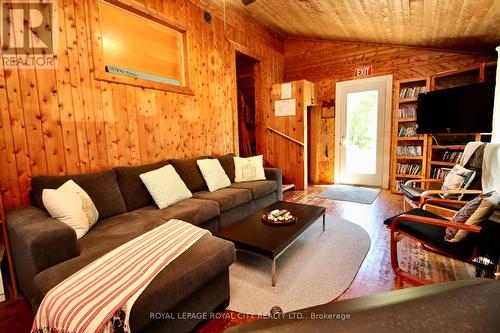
(374, 276)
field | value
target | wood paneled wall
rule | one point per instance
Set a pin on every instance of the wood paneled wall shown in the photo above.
(63, 121)
(326, 63)
(287, 135)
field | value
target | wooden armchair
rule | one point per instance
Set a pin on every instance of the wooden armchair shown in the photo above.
(416, 192)
(414, 196)
(429, 229)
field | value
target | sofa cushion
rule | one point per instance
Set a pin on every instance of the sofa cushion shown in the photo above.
(227, 198)
(135, 194)
(193, 269)
(113, 232)
(227, 162)
(100, 186)
(203, 261)
(259, 188)
(195, 211)
(190, 173)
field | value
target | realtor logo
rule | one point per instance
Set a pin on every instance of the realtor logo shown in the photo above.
(29, 32)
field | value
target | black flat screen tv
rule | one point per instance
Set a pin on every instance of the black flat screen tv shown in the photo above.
(465, 109)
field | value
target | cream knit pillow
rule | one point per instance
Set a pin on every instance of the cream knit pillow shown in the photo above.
(165, 186)
(214, 174)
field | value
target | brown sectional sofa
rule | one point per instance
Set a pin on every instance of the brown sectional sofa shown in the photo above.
(46, 251)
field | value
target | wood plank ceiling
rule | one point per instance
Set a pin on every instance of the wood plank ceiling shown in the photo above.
(467, 25)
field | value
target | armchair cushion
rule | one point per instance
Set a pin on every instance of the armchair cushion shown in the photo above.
(412, 193)
(415, 193)
(433, 235)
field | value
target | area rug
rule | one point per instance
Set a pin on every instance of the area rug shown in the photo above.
(350, 193)
(314, 270)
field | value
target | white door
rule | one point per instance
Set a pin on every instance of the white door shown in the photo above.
(362, 131)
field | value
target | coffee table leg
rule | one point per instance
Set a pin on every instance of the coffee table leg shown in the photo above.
(323, 222)
(274, 272)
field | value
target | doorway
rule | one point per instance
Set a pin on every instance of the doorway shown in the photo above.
(362, 131)
(245, 82)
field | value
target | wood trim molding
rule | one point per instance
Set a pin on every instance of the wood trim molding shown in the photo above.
(285, 136)
(259, 108)
(387, 82)
(402, 46)
(243, 49)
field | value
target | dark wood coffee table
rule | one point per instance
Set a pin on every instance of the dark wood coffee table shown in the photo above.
(254, 236)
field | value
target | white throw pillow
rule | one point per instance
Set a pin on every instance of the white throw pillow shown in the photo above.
(247, 169)
(71, 205)
(165, 186)
(214, 174)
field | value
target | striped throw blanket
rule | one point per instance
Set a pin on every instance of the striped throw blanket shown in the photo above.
(99, 297)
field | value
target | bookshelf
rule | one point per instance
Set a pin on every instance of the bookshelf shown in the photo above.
(439, 152)
(409, 148)
(442, 157)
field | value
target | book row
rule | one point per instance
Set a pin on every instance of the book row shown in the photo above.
(409, 151)
(440, 173)
(452, 156)
(407, 111)
(411, 92)
(407, 131)
(409, 168)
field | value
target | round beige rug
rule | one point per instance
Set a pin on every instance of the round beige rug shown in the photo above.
(316, 269)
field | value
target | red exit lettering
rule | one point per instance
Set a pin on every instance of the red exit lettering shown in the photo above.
(363, 71)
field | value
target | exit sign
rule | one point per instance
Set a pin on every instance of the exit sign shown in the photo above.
(363, 71)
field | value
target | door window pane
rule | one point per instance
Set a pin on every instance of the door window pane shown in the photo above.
(361, 132)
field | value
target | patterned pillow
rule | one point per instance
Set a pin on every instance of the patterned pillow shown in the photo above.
(71, 205)
(248, 169)
(474, 212)
(165, 186)
(458, 178)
